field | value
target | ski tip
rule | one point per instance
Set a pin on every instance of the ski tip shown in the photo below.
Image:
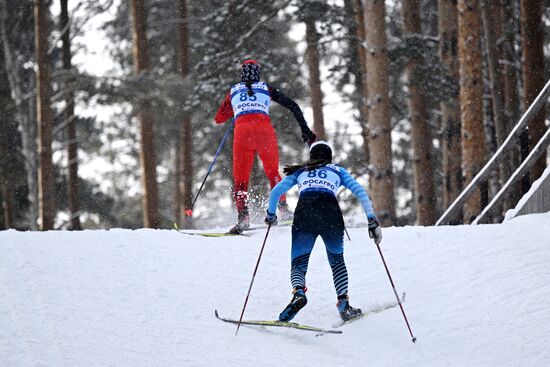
(216, 313)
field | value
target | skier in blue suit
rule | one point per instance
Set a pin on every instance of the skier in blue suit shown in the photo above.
(318, 214)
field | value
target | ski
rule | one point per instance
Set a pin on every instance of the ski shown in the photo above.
(277, 323)
(212, 234)
(284, 223)
(372, 311)
(207, 234)
(225, 234)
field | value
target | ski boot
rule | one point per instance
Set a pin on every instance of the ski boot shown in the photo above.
(298, 301)
(346, 311)
(242, 224)
(285, 215)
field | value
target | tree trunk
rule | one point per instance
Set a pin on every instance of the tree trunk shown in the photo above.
(491, 145)
(492, 24)
(147, 157)
(420, 134)
(177, 206)
(6, 178)
(186, 142)
(493, 20)
(379, 113)
(533, 73)
(22, 91)
(72, 142)
(359, 54)
(511, 94)
(471, 90)
(312, 56)
(44, 117)
(450, 109)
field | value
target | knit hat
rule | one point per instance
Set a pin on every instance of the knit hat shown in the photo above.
(320, 150)
(250, 71)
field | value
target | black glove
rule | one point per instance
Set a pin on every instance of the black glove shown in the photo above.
(309, 137)
(270, 219)
(375, 231)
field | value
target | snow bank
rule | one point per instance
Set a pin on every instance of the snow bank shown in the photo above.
(511, 213)
(476, 296)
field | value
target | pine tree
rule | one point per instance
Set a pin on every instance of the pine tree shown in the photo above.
(6, 177)
(379, 113)
(314, 80)
(185, 143)
(151, 218)
(532, 43)
(420, 134)
(44, 116)
(17, 34)
(511, 92)
(450, 108)
(471, 91)
(72, 142)
(358, 60)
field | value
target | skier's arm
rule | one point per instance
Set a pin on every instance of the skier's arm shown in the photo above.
(225, 111)
(286, 184)
(287, 102)
(358, 191)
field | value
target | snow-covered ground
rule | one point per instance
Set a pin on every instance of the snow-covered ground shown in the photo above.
(476, 296)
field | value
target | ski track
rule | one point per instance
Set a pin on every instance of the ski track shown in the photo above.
(476, 296)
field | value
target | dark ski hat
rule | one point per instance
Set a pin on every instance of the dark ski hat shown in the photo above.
(250, 71)
(320, 150)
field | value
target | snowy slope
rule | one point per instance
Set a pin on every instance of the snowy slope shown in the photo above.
(476, 296)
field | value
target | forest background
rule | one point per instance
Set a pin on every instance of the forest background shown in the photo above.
(106, 107)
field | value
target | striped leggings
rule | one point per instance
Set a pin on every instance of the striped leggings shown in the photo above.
(317, 214)
(337, 264)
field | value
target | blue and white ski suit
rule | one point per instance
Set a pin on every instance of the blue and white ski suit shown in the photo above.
(318, 214)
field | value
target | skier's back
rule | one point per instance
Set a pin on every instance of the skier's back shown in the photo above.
(318, 214)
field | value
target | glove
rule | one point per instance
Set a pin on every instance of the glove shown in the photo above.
(375, 231)
(309, 137)
(270, 219)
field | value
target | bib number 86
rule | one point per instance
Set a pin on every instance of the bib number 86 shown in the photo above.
(321, 174)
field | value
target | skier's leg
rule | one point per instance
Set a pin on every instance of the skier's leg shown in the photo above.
(334, 243)
(268, 151)
(302, 244)
(243, 159)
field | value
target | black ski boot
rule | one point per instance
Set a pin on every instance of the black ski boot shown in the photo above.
(298, 301)
(346, 311)
(242, 224)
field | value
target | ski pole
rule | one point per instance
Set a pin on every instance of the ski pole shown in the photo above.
(347, 234)
(396, 295)
(252, 281)
(189, 212)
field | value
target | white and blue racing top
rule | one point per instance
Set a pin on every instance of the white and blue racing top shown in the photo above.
(328, 179)
(244, 104)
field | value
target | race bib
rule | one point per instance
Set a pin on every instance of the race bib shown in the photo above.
(326, 178)
(243, 104)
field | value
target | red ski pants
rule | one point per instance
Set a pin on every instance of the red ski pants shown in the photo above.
(253, 135)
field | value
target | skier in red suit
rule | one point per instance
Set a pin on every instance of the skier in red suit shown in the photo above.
(249, 103)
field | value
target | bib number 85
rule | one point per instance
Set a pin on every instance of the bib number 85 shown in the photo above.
(245, 97)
